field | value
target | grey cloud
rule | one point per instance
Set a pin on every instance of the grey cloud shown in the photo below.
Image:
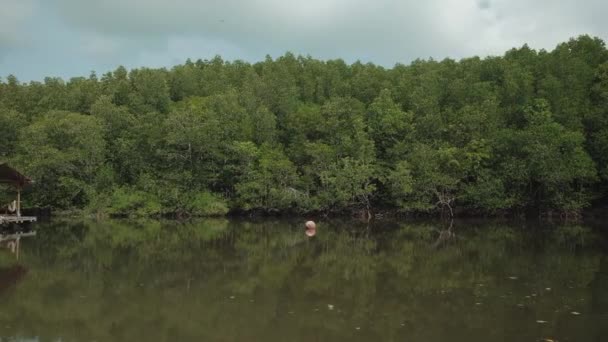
(483, 4)
(13, 15)
(543, 23)
(159, 32)
(385, 31)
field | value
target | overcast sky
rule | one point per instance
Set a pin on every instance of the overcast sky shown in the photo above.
(68, 38)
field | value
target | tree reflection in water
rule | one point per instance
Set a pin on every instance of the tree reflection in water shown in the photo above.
(244, 280)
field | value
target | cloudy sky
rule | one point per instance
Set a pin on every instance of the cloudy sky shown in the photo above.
(67, 38)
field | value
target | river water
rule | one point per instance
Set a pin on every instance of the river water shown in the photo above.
(265, 280)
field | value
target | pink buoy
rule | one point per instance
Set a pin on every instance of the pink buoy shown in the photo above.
(311, 228)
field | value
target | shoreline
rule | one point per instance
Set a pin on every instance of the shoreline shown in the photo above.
(592, 213)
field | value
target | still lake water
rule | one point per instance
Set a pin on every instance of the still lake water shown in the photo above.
(235, 280)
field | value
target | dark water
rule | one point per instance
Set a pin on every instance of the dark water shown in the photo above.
(219, 280)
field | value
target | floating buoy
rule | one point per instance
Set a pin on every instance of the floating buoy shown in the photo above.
(311, 228)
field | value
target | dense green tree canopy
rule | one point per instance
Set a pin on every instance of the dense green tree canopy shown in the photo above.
(527, 130)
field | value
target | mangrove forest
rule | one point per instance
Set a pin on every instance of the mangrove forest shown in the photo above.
(527, 130)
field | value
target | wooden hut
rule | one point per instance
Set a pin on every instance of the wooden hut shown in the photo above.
(12, 178)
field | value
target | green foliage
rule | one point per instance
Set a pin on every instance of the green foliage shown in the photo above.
(435, 174)
(269, 180)
(11, 123)
(525, 130)
(207, 204)
(544, 163)
(348, 183)
(132, 202)
(388, 124)
(63, 152)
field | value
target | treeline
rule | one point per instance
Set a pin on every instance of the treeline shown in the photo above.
(528, 130)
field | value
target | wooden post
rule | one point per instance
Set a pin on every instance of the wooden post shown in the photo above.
(19, 201)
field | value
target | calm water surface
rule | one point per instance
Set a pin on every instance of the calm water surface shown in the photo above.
(220, 280)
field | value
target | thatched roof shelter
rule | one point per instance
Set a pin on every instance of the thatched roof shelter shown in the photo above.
(11, 176)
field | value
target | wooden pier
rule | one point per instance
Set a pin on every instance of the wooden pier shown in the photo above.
(6, 219)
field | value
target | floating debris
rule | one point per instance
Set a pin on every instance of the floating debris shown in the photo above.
(548, 340)
(231, 297)
(513, 278)
(528, 297)
(575, 313)
(534, 295)
(548, 289)
(291, 312)
(402, 324)
(330, 307)
(540, 321)
(358, 328)
(520, 305)
(477, 303)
